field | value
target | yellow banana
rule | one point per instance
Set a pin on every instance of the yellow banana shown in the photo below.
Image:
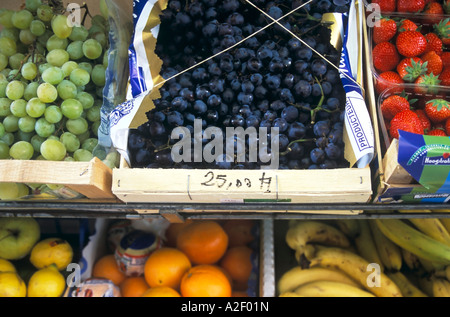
(350, 227)
(309, 231)
(444, 273)
(426, 285)
(297, 276)
(414, 241)
(331, 289)
(289, 294)
(432, 227)
(365, 244)
(406, 286)
(357, 268)
(410, 259)
(441, 287)
(430, 266)
(446, 223)
(390, 253)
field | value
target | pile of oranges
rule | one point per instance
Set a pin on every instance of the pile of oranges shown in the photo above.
(199, 258)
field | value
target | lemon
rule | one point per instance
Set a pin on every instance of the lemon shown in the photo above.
(6, 266)
(12, 285)
(51, 251)
(46, 282)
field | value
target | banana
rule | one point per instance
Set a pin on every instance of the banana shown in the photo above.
(350, 227)
(414, 241)
(432, 227)
(426, 285)
(430, 266)
(357, 268)
(297, 276)
(410, 259)
(389, 252)
(440, 287)
(331, 289)
(406, 286)
(444, 273)
(446, 223)
(289, 294)
(365, 245)
(308, 231)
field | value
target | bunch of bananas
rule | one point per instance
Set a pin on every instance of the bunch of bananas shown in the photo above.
(368, 258)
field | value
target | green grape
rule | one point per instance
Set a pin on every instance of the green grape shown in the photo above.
(18, 108)
(77, 126)
(15, 60)
(36, 142)
(89, 144)
(20, 135)
(86, 66)
(9, 191)
(14, 90)
(67, 90)
(53, 150)
(68, 67)
(37, 28)
(27, 124)
(31, 90)
(71, 108)
(105, 60)
(6, 18)
(2, 130)
(101, 38)
(84, 136)
(22, 19)
(82, 155)
(5, 104)
(57, 57)
(35, 107)
(14, 74)
(26, 37)
(55, 42)
(99, 20)
(42, 67)
(92, 49)
(80, 77)
(60, 27)
(86, 99)
(11, 123)
(3, 84)
(4, 150)
(99, 75)
(8, 138)
(32, 5)
(47, 93)
(75, 50)
(8, 46)
(21, 150)
(53, 75)
(24, 190)
(69, 159)
(79, 33)
(44, 128)
(3, 61)
(70, 141)
(53, 114)
(29, 71)
(95, 126)
(44, 13)
(12, 33)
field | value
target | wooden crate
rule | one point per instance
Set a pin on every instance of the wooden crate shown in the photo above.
(91, 179)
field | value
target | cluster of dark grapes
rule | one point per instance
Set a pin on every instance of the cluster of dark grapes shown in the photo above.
(269, 80)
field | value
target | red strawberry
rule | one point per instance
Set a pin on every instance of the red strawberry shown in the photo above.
(427, 84)
(442, 30)
(386, 5)
(385, 56)
(426, 123)
(436, 132)
(410, 6)
(434, 62)
(438, 110)
(384, 31)
(407, 25)
(434, 43)
(393, 105)
(410, 68)
(445, 59)
(411, 43)
(406, 120)
(447, 126)
(387, 80)
(434, 12)
(444, 77)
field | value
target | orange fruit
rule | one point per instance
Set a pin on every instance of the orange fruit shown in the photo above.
(204, 242)
(133, 286)
(165, 267)
(239, 231)
(205, 280)
(172, 232)
(107, 267)
(161, 291)
(237, 262)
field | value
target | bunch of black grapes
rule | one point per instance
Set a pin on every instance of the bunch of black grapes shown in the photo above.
(269, 80)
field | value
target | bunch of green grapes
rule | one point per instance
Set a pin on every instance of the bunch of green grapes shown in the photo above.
(52, 76)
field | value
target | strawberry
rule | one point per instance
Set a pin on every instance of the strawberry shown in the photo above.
(406, 120)
(384, 31)
(385, 56)
(434, 12)
(410, 6)
(387, 80)
(393, 105)
(438, 110)
(434, 62)
(410, 68)
(411, 43)
(444, 76)
(447, 126)
(436, 132)
(426, 123)
(407, 25)
(445, 59)
(442, 30)
(434, 43)
(386, 5)
(427, 84)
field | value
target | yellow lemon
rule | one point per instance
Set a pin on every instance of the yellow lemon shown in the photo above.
(7, 266)
(51, 251)
(46, 282)
(12, 285)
